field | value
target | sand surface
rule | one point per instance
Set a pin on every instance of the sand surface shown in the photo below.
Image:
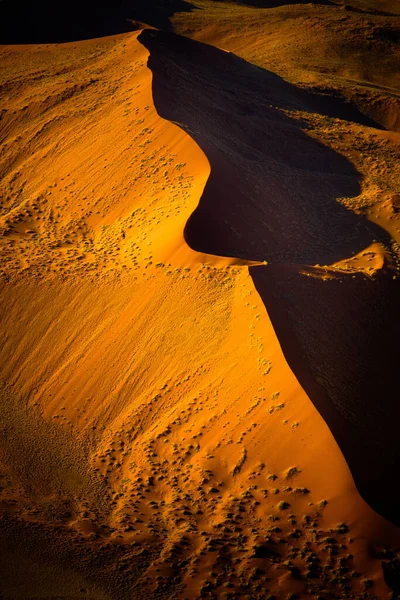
(178, 418)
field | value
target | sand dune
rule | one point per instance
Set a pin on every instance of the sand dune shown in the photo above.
(155, 440)
(276, 201)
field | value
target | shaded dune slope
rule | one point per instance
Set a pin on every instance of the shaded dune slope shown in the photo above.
(46, 21)
(55, 22)
(272, 195)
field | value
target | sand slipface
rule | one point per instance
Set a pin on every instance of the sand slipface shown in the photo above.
(155, 441)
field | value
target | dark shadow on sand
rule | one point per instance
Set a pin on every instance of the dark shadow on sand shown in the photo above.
(49, 21)
(272, 195)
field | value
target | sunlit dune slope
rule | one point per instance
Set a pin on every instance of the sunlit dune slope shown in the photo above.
(154, 441)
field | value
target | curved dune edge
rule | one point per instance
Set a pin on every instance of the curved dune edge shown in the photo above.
(101, 356)
(370, 526)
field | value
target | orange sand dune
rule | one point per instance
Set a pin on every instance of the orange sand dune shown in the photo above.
(154, 441)
(276, 200)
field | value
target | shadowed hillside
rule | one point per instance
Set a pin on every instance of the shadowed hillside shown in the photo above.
(46, 21)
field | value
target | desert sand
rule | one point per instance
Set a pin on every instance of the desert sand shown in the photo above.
(199, 288)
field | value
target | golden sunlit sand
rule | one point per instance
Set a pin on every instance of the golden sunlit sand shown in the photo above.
(187, 241)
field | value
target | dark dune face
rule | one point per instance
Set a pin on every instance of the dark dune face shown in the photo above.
(272, 196)
(55, 22)
(47, 21)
